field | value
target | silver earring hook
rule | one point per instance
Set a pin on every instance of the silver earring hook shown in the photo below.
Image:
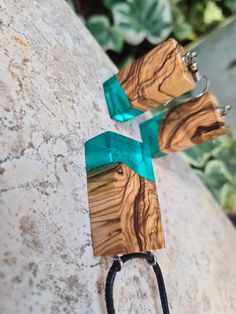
(190, 59)
(223, 110)
(192, 98)
(207, 83)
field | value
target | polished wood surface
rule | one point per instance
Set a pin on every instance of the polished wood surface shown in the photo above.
(157, 77)
(191, 123)
(124, 212)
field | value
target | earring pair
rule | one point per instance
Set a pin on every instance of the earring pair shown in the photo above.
(154, 81)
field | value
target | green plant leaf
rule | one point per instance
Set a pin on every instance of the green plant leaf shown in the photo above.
(228, 196)
(198, 155)
(230, 4)
(218, 172)
(212, 13)
(196, 16)
(181, 29)
(127, 60)
(138, 19)
(226, 152)
(214, 178)
(109, 37)
(216, 163)
(110, 3)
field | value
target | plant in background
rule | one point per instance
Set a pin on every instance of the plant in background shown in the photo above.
(215, 163)
(230, 5)
(134, 21)
(182, 30)
(129, 28)
(203, 14)
(109, 37)
(139, 20)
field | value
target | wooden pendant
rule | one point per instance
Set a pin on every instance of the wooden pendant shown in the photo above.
(191, 123)
(124, 211)
(157, 77)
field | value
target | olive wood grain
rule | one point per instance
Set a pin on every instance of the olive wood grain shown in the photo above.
(124, 212)
(157, 77)
(190, 123)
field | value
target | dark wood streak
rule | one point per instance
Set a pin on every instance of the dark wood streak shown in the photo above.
(190, 123)
(169, 75)
(136, 222)
(205, 129)
(155, 78)
(180, 124)
(152, 79)
(128, 222)
(133, 67)
(140, 87)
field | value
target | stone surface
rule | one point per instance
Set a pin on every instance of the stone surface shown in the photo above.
(52, 101)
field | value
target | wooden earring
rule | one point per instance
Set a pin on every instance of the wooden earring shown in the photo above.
(165, 73)
(184, 126)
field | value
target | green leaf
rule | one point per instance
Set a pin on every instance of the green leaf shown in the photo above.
(215, 190)
(198, 155)
(181, 29)
(184, 31)
(212, 13)
(127, 60)
(226, 152)
(228, 196)
(138, 19)
(218, 172)
(230, 4)
(110, 3)
(196, 16)
(216, 163)
(109, 37)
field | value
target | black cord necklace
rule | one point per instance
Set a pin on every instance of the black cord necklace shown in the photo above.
(117, 266)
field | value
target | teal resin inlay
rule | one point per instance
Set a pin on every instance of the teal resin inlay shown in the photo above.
(149, 132)
(118, 103)
(110, 147)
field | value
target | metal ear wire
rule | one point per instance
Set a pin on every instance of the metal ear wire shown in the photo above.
(190, 59)
(207, 82)
(192, 98)
(223, 110)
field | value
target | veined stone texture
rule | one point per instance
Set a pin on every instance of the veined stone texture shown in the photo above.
(51, 75)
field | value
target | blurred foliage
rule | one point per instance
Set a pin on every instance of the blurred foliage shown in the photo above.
(109, 37)
(140, 19)
(132, 27)
(215, 163)
(230, 4)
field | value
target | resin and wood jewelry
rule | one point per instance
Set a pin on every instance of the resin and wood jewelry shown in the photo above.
(184, 126)
(124, 210)
(161, 75)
